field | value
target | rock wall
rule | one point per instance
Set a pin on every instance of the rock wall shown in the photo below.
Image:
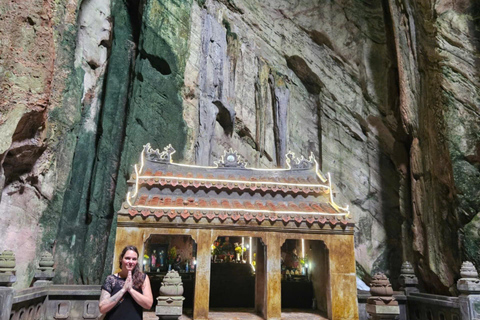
(37, 80)
(384, 93)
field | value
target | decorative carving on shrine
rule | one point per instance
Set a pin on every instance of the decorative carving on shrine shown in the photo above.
(408, 280)
(469, 283)
(156, 156)
(382, 304)
(300, 163)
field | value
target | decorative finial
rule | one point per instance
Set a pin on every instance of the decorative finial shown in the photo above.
(7, 262)
(231, 159)
(407, 268)
(299, 163)
(382, 305)
(408, 280)
(469, 283)
(170, 301)
(380, 285)
(468, 270)
(45, 272)
(7, 268)
(156, 156)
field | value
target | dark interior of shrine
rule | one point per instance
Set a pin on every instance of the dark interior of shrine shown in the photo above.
(167, 252)
(233, 274)
(232, 277)
(304, 275)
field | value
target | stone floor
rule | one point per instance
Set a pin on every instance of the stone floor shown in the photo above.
(245, 314)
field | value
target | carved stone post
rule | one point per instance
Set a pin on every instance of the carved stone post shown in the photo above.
(469, 287)
(7, 278)
(45, 271)
(382, 305)
(170, 301)
(408, 280)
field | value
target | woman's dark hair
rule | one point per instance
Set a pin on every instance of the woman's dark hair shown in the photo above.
(137, 275)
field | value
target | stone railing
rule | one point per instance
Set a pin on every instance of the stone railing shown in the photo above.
(435, 307)
(413, 305)
(55, 302)
(44, 300)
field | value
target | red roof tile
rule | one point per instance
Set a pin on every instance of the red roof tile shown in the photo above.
(253, 183)
(155, 202)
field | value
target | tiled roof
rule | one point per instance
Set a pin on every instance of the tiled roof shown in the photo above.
(241, 182)
(165, 202)
(231, 191)
(223, 209)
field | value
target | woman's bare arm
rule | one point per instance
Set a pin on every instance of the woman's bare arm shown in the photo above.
(144, 299)
(107, 302)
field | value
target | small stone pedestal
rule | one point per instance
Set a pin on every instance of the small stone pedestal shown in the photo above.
(408, 280)
(170, 301)
(45, 271)
(469, 287)
(7, 278)
(382, 305)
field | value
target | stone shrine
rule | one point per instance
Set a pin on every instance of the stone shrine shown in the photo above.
(231, 199)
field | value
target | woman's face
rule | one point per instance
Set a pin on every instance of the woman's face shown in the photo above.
(129, 260)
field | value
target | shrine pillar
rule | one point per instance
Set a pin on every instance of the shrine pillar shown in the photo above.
(204, 240)
(343, 285)
(260, 280)
(273, 277)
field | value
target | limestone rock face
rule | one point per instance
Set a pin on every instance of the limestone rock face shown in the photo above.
(37, 51)
(385, 95)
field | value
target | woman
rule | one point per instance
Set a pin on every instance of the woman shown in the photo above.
(127, 293)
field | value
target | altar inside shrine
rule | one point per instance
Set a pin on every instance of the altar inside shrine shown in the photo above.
(268, 230)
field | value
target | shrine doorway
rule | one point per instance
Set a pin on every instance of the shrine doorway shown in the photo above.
(305, 276)
(164, 252)
(232, 275)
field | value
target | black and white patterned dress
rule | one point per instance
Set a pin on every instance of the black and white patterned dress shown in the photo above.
(127, 308)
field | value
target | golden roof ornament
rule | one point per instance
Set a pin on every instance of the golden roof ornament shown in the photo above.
(231, 159)
(300, 163)
(156, 156)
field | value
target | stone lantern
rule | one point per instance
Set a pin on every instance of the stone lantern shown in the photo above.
(170, 301)
(469, 287)
(408, 280)
(45, 271)
(7, 268)
(382, 305)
